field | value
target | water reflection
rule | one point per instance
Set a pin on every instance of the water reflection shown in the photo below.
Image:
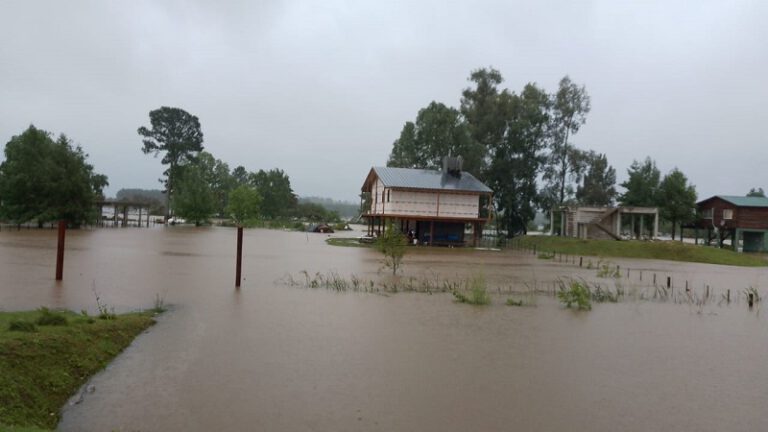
(273, 357)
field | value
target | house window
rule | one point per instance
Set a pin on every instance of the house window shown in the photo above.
(727, 214)
(388, 195)
(707, 213)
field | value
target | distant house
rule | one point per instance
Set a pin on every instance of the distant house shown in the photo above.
(742, 220)
(605, 222)
(430, 206)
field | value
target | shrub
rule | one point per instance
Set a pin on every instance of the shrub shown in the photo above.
(392, 244)
(48, 318)
(478, 294)
(22, 326)
(578, 294)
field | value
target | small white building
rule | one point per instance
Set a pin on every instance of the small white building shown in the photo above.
(604, 222)
(431, 206)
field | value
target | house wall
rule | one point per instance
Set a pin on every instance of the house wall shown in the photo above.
(423, 204)
(743, 217)
(377, 204)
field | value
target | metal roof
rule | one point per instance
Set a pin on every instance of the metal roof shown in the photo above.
(409, 178)
(742, 201)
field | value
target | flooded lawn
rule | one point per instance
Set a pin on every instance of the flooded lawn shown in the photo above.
(277, 357)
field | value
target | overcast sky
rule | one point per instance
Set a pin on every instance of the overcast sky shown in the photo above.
(322, 88)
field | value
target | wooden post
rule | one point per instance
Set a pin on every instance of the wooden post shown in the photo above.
(239, 265)
(60, 251)
(139, 220)
(431, 233)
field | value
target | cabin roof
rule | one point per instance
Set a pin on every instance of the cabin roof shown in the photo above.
(410, 178)
(740, 201)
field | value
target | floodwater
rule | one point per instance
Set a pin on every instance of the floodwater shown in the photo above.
(283, 358)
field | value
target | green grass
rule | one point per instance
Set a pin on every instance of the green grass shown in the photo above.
(663, 250)
(478, 292)
(40, 370)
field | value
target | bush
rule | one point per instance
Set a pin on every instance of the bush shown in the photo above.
(513, 302)
(22, 326)
(578, 294)
(48, 318)
(478, 294)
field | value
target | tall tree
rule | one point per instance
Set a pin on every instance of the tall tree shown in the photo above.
(517, 159)
(404, 150)
(642, 185)
(277, 197)
(216, 173)
(45, 180)
(483, 110)
(677, 199)
(176, 133)
(438, 131)
(243, 204)
(240, 175)
(599, 183)
(570, 107)
(756, 192)
(194, 200)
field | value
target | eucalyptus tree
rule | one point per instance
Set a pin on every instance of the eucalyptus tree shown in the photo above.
(438, 131)
(570, 106)
(516, 160)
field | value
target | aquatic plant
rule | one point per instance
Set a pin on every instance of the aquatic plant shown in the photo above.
(753, 292)
(600, 295)
(576, 294)
(478, 292)
(159, 306)
(607, 269)
(105, 312)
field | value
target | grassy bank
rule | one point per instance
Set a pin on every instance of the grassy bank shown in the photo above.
(48, 356)
(663, 250)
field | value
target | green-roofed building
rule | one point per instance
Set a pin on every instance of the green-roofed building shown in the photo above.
(742, 220)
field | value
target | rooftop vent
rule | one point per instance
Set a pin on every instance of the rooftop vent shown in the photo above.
(452, 166)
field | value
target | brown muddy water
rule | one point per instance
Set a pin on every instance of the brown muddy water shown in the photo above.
(284, 358)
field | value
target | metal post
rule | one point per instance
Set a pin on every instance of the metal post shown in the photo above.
(60, 251)
(238, 266)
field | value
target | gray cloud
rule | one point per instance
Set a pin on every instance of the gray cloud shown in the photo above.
(321, 89)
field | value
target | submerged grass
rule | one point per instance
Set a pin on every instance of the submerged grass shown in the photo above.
(42, 365)
(664, 250)
(347, 241)
(477, 293)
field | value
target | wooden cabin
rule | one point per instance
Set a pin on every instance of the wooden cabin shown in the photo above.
(742, 220)
(432, 207)
(606, 222)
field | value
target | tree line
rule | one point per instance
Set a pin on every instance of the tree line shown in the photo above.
(44, 179)
(521, 145)
(199, 186)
